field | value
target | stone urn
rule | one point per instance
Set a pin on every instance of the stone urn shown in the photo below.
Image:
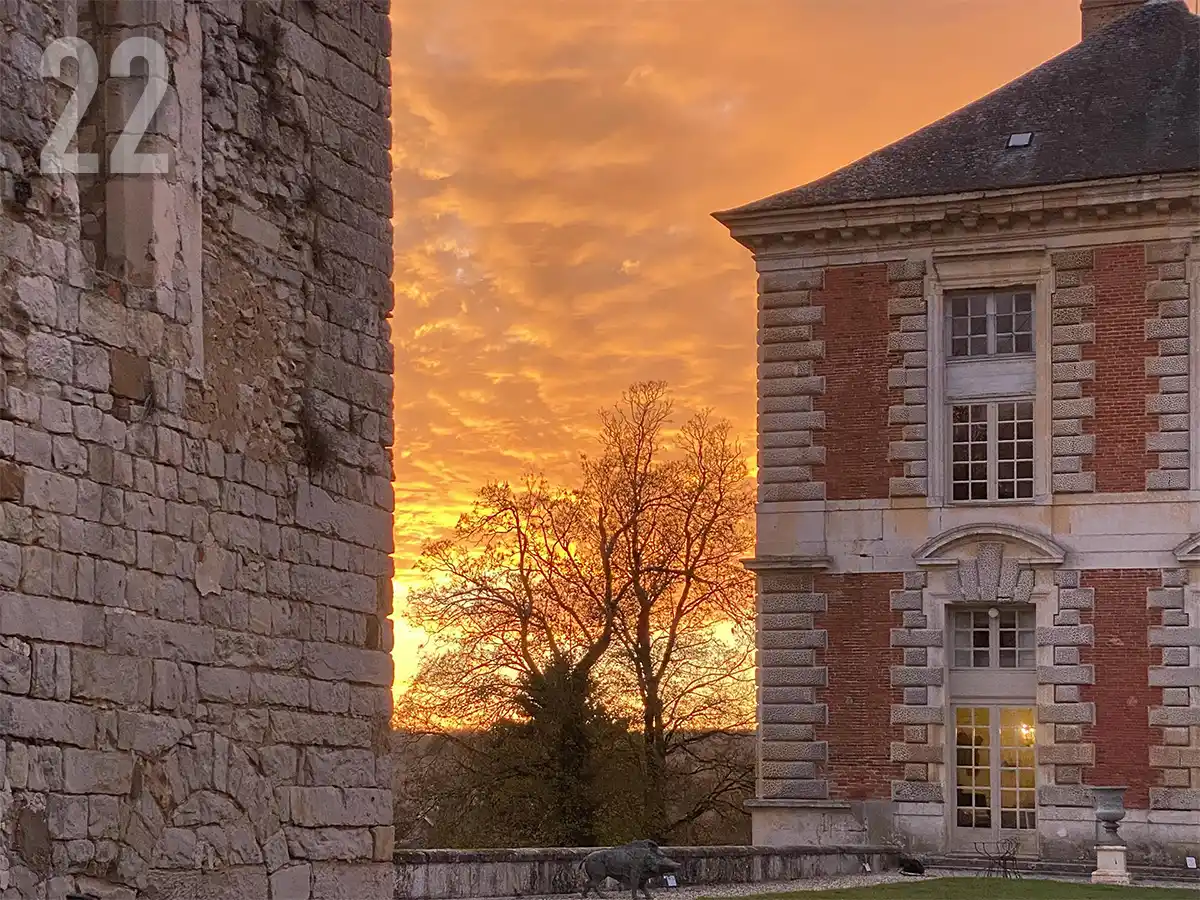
(1110, 809)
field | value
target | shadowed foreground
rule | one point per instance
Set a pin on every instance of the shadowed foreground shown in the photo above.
(991, 889)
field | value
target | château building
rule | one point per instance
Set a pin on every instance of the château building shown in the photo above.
(978, 548)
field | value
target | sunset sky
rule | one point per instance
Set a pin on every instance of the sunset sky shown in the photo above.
(556, 162)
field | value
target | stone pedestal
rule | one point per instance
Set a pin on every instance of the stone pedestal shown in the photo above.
(1110, 866)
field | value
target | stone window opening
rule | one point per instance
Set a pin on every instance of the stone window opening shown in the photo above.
(990, 394)
(990, 324)
(992, 453)
(994, 638)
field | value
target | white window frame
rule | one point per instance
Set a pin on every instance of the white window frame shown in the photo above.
(993, 639)
(961, 269)
(990, 295)
(993, 452)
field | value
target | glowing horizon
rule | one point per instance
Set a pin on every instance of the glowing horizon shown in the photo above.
(555, 168)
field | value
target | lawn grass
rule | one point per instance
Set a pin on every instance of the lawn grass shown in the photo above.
(989, 889)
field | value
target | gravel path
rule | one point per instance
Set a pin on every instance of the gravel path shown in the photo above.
(823, 883)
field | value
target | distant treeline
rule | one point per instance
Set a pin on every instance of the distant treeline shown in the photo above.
(471, 790)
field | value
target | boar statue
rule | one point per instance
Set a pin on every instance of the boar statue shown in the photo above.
(631, 864)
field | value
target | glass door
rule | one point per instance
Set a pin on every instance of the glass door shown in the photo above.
(995, 776)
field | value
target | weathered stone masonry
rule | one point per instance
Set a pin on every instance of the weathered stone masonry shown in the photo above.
(195, 501)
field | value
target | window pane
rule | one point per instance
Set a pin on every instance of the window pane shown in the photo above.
(1014, 323)
(1014, 474)
(979, 306)
(969, 444)
(978, 346)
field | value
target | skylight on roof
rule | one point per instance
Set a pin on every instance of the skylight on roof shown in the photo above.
(1021, 139)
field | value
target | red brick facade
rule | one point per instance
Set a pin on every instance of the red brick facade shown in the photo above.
(1121, 385)
(859, 656)
(1122, 658)
(856, 399)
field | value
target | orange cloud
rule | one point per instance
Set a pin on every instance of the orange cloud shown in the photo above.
(556, 164)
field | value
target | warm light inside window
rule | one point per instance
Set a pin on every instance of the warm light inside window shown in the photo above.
(1027, 734)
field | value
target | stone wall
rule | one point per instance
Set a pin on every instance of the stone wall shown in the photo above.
(195, 423)
(444, 874)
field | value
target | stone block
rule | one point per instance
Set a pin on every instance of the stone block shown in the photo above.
(1066, 674)
(1165, 598)
(906, 676)
(129, 375)
(1067, 754)
(1160, 636)
(1082, 713)
(791, 280)
(1078, 483)
(97, 675)
(1166, 404)
(291, 882)
(1167, 442)
(814, 789)
(97, 771)
(1175, 676)
(1073, 409)
(916, 637)
(792, 640)
(1173, 798)
(223, 685)
(916, 753)
(1166, 252)
(1167, 290)
(917, 791)
(781, 771)
(793, 676)
(1175, 717)
(1065, 636)
(795, 751)
(916, 715)
(791, 603)
(809, 714)
(50, 620)
(1168, 480)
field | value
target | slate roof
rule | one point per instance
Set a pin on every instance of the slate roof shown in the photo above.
(1124, 102)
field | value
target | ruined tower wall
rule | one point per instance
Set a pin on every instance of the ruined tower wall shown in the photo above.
(195, 423)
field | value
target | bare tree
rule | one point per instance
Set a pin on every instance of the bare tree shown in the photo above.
(690, 504)
(631, 585)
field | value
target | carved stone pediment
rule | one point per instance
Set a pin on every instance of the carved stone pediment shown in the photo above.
(991, 563)
(1189, 550)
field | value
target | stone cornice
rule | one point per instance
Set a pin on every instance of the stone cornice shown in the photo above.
(1012, 214)
(787, 563)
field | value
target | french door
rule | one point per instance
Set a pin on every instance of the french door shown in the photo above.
(994, 776)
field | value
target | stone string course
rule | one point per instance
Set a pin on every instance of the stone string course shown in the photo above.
(195, 500)
(787, 384)
(908, 346)
(1178, 757)
(1071, 328)
(1171, 404)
